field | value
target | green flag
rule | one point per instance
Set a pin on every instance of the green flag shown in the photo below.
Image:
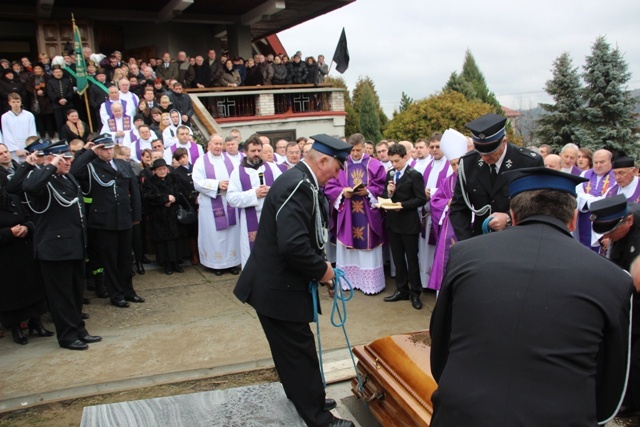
(81, 67)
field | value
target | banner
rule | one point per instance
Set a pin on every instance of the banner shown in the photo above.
(341, 56)
(81, 67)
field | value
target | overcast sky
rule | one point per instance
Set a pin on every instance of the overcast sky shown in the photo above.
(414, 45)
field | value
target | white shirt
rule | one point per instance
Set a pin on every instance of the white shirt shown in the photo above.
(17, 128)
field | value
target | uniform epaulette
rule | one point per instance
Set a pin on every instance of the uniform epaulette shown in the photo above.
(526, 152)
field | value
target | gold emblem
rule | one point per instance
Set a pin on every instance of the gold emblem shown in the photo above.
(358, 233)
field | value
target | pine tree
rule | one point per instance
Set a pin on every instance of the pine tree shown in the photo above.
(607, 117)
(357, 100)
(352, 120)
(369, 118)
(405, 102)
(559, 124)
(459, 84)
(472, 74)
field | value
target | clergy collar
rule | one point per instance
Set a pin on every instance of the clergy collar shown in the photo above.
(246, 164)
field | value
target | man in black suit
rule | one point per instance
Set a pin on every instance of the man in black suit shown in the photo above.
(618, 220)
(60, 240)
(405, 185)
(116, 207)
(530, 328)
(288, 254)
(481, 187)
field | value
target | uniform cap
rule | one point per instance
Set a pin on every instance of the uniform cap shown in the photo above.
(541, 178)
(487, 132)
(105, 139)
(606, 214)
(331, 146)
(60, 148)
(38, 146)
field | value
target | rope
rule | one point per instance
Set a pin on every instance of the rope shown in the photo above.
(463, 182)
(485, 226)
(339, 310)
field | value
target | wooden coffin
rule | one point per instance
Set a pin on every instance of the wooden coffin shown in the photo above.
(397, 380)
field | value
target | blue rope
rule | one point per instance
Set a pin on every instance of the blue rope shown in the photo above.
(485, 226)
(339, 300)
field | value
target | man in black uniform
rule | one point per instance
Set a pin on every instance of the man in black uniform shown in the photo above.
(406, 186)
(481, 190)
(114, 189)
(619, 220)
(531, 328)
(287, 255)
(59, 240)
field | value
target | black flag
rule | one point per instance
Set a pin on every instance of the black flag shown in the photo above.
(341, 56)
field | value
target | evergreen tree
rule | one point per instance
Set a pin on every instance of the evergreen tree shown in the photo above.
(352, 120)
(357, 100)
(607, 117)
(459, 84)
(405, 102)
(472, 74)
(369, 117)
(559, 123)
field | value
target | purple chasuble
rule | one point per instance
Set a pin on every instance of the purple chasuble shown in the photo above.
(594, 188)
(223, 219)
(250, 213)
(635, 197)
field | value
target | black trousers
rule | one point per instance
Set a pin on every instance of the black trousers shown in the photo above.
(64, 285)
(294, 353)
(115, 253)
(404, 250)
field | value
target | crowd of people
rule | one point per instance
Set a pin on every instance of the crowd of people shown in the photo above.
(142, 186)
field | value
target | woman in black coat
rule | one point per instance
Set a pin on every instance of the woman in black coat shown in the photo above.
(9, 83)
(184, 172)
(161, 195)
(22, 294)
(74, 128)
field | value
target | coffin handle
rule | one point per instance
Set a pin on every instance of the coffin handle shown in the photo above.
(361, 391)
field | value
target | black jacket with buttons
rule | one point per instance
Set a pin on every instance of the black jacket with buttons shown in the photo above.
(60, 230)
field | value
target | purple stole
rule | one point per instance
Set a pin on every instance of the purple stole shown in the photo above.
(193, 153)
(108, 106)
(594, 188)
(446, 235)
(413, 163)
(137, 145)
(575, 170)
(283, 167)
(425, 177)
(250, 213)
(635, 197)
(126, 124)
(223, 219)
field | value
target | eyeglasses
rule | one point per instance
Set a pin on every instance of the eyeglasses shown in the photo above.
(622, 172)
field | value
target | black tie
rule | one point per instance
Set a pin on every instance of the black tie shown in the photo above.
(494, 174)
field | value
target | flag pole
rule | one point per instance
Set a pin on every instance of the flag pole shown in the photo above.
(86, 104)
(82, 83)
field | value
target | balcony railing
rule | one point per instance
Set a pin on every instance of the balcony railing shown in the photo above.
(225, 104)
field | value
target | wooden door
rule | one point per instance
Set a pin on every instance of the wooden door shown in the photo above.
(53, 35)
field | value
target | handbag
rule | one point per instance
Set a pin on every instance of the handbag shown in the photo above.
(186, 215)
(35, 106)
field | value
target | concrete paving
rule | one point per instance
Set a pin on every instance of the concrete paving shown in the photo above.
(190, 327)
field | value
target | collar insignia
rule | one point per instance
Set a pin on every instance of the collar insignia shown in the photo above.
(508, 164)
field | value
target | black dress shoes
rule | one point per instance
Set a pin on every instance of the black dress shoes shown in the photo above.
(145, 260)
(218, 272)
(235, 271)
(139, 268)
(329, 404)
(168, 270)
(415, 302)
(120, 304)
(35, 326)
(76, 345)
(90, 339)
(84, 316)
(397, 296)
(18, 336)
(135, 298)
(339, 422)
(177, 268)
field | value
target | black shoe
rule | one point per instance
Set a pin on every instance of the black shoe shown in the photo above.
(135, 298)
(101, 287)
(627, 411)
(35, 324)
(120, 304)
(339, 422)
(90, 339)
(329, 404)
(76, 345)
(18, 336)
(86, 301)
(168, 270)
(84, 316)
(145, 260)
(397, 296)
(235, 271)
(415, 302)
(218, 272)
(177, 268)
(139, 268)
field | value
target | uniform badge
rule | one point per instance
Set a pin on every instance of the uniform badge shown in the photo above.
(533, 154)
(632, 249)
(480, 163)
(508, 164)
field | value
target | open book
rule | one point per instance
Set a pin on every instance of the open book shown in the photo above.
(388, 204)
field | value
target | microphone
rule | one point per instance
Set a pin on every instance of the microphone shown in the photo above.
(261, 177)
